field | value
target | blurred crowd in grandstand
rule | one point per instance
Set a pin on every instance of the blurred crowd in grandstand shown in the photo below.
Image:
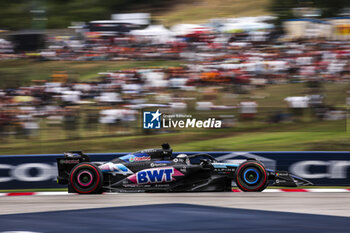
(234, 62)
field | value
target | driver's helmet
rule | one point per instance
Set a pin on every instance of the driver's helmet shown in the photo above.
(183, 158)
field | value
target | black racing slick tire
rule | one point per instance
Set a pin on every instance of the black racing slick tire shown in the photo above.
(86, 178)
(251, 176)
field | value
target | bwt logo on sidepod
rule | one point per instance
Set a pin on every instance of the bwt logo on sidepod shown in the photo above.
(151, 120)
(155, 175)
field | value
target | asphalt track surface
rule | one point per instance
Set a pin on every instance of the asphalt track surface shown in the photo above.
(178, 212)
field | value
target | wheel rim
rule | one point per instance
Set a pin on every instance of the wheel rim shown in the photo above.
(85, 178)
(251, 176)
(91, 184)
(241, 179)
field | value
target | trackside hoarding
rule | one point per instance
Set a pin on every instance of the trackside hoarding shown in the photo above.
(321, 168)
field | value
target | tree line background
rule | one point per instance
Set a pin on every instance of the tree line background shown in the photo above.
(18, 14)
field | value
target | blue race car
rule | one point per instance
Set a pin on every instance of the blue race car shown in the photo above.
(156, 170)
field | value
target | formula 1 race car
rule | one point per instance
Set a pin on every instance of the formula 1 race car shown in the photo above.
(155, 170)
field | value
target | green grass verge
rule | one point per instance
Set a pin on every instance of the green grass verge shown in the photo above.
(262, 139)
(199, 11)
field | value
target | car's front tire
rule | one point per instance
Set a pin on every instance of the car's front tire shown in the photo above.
(251, 176)
(86, 178)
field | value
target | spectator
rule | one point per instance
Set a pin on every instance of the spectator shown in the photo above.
(248, 110)
(297, 105)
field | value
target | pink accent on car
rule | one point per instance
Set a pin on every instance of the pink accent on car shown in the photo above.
(132, 178)
(84, 184)
(177, 173)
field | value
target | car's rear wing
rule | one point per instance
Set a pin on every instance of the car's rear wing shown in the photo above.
(66, 164)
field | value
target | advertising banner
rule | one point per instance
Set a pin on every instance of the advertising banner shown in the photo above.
(321, 168)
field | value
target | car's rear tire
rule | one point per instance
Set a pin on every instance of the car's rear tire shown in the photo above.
(251, 176)
(86, 178)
